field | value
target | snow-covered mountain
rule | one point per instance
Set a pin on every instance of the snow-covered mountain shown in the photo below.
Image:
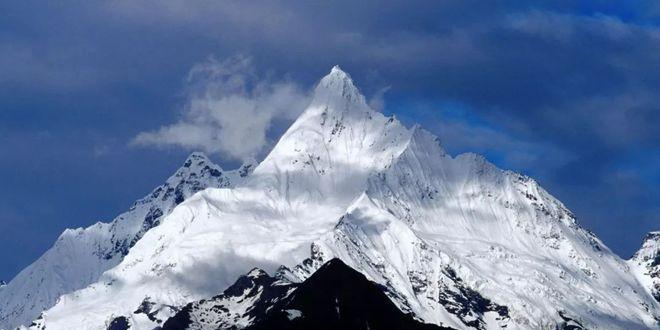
(646, 264)
(453, 240)
(80, 256)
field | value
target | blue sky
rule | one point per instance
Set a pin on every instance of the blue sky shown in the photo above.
(564, 92)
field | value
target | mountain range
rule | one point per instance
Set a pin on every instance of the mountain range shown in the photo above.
(346, 192)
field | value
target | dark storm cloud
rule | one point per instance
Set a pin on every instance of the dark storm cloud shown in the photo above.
(566, 92)
(547, 69)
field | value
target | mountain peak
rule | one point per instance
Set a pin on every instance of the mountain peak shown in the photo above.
(650, 247)
(256, 273)
(199, 172)
(337, 90)
(197, 158)
(654, 235)
(649, 252)
(338, 72)
(196, 166)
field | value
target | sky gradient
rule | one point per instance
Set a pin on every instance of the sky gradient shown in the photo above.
(92, 95)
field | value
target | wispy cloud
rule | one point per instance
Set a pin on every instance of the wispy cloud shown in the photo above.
(229, 110)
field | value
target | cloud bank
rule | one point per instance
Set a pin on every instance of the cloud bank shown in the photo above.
(229, 110)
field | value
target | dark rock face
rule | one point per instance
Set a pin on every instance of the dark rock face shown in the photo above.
(568, 323)
(155, 312)
(119, 323)
(256, 289)
(468, 304)
(334, 297)
(337, 297)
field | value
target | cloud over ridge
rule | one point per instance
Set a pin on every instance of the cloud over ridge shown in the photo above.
(229, 110)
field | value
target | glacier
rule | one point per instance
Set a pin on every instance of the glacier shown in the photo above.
(455, 240)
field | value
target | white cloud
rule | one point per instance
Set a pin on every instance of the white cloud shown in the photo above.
(377, 101)
(229, 110)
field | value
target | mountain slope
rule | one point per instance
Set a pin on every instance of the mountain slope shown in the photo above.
(80, 256)
(334, 297)
(646, 264)
(454, 240)
(293, 197)
(429, 216)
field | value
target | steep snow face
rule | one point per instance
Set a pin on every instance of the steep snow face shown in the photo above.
(327, 154)
(514, 243)
(646, 264)
(460, 242)
(455, 241)
(80, 256)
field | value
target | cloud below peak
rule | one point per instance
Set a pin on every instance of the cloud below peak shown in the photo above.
(229, 110)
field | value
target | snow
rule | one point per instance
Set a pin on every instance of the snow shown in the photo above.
(80, 256)
(433, 229)
(293, 314)
(645, 264)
